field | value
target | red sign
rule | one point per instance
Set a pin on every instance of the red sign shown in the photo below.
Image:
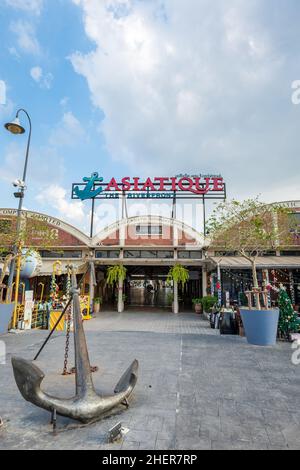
(194, 185)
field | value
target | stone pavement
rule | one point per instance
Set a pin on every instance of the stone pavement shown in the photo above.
(196, 389)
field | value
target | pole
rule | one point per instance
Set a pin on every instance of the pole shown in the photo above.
(15, 249)
(14, 322)
(92, 218)
(204, 217)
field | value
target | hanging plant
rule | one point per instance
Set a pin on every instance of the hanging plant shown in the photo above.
(178, 274)
(115, 274)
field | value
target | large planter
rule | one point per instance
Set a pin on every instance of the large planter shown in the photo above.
(6, 312)
(198, 309)
(260, 326)
(96, 307)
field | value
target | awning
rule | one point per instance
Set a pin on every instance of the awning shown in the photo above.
(47, 266)
(271, 262)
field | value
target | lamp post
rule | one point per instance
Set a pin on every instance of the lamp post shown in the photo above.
(16, 128)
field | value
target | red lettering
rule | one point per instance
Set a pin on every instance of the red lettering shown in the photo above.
(202, 188)
(174, 184)
(183, 187)
(126, 183)
(113, 185)
(162, 182)
(136, 184)
(218, 184)
(148, 185)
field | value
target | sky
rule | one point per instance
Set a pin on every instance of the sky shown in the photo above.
(149, 88)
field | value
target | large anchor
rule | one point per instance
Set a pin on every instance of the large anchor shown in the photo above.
(86, 405)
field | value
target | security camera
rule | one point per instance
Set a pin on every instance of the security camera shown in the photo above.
(19, 184)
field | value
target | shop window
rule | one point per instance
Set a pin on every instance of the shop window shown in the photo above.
(132, 254)
(290, 253)
(165, 254)
(226, 253)
(148, 254)
(148, 230)
(111, 254)
(61, 254)
(190, 254)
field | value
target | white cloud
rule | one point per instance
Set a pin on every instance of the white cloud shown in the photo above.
(36, 73)
(26, 38)
(31, 6)
(44, 80)
(69, 131)
(58, 198)
(193, 86)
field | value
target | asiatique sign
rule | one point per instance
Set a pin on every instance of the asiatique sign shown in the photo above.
(177, 187)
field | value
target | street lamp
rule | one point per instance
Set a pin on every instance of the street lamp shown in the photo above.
(15, 128)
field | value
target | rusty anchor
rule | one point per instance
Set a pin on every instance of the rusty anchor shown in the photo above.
(87, 405)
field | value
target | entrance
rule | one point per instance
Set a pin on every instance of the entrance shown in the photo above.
(146, 286)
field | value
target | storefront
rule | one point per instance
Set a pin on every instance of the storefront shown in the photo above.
(148, 246)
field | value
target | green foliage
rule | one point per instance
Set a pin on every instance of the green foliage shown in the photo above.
(170, 298)
(208, 302)
(197, 301)
(98, 300)
(251, 228)
(115, 274)
(288, 320)
(178, 274)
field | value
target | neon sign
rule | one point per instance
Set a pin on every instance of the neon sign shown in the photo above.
(178, 187)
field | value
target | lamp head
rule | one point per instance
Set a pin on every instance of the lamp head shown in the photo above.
(15, 127)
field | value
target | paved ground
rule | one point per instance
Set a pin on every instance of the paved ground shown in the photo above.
(196, 389)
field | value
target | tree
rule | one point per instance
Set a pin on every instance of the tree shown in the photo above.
(34, 234)
(288, 319)
(251, 228)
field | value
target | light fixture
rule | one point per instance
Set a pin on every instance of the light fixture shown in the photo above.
(15, 127)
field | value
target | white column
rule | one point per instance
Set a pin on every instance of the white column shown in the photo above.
(92, 294)
(204, 282)
(120, 297)
(176, 303)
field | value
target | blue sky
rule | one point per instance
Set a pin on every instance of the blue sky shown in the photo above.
(149, 87)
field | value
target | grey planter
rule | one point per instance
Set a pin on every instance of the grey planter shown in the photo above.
(6, 311)
(260, 326)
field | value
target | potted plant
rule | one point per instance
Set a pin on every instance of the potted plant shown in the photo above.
(178, 274)
(208, 302)
(116, 275)
(251, 228)
(198, 306)
(97, 304)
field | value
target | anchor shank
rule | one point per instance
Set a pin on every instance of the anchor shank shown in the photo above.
(84, 381)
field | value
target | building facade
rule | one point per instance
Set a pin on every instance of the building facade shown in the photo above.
(148, 246)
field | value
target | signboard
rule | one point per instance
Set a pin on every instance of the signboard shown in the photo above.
(178, 187)
(28, 307)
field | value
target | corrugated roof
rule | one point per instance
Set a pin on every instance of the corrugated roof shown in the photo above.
(238, 262)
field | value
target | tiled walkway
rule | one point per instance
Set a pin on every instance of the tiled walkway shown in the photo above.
(196, 389)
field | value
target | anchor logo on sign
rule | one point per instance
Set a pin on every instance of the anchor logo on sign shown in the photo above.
(89, 192)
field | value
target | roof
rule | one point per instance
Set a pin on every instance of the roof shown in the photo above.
(47, 266)
(238, 262)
